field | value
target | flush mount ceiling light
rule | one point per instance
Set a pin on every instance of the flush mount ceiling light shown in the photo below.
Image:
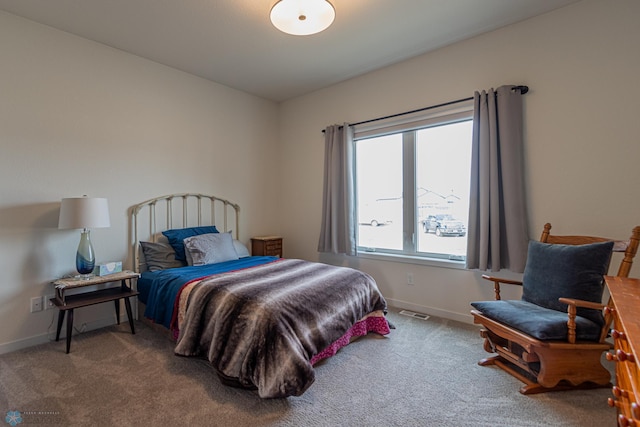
(302, 17)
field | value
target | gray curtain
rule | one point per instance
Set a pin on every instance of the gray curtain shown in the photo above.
(337, 232)
(497, 232)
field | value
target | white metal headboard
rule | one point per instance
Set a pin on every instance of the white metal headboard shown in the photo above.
(151, 217)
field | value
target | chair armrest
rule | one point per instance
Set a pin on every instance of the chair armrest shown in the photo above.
(572, 310)
(582, 303)
(496, 283)
(499, 280)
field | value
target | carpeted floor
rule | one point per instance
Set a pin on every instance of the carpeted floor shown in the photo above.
(423, 374)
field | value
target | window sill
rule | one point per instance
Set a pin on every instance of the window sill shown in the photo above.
(407, 259)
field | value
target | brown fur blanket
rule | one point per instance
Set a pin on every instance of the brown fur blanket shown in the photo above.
(261, 326)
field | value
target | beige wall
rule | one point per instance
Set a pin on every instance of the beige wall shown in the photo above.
(77, 117)
(582, 147)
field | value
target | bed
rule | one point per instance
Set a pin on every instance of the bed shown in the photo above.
(262, 322)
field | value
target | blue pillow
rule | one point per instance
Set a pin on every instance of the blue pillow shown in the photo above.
(571, 271)
(176, 238)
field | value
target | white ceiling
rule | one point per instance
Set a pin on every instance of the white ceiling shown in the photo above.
(233, 42)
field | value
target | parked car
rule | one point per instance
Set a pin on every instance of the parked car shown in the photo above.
(373, 215)
(443, 225)
(374, 221)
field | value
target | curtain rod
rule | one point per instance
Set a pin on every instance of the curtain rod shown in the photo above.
(522, 89)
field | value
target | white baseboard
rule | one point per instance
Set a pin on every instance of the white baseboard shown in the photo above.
(51, 334)
(108, 321)
(445, 314)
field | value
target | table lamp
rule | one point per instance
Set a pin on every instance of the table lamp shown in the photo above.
(84, 213)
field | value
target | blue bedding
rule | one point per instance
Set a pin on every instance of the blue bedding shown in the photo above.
(159, 289)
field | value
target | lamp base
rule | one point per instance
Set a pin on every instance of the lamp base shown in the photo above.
(85, 258)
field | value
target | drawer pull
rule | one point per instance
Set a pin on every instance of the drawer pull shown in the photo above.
(625, 357)
(618, 392)
(626, 422)
(635, 411)
(620, 356)
(618, 335)
(613, 403)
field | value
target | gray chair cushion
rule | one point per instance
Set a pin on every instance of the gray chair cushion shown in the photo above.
(539, 322)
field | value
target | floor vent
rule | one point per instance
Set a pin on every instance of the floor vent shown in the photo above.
(414, 314)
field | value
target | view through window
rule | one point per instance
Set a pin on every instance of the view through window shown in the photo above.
(412, 190)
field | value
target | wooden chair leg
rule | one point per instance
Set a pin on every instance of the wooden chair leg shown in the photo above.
(588, 372)
(572, 367)
(506, 366)
(537, 388)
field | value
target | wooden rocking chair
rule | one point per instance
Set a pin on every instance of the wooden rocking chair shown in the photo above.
(554, 337)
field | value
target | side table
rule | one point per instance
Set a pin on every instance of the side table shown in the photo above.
(67, 303)
(266, 245)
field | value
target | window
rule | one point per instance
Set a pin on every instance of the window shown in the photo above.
(412, 184)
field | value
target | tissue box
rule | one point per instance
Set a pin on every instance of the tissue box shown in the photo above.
(108, 268)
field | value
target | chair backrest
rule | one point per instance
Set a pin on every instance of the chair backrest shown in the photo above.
(629, 248)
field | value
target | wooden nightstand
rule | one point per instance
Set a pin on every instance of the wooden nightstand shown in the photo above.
(67, 303)
(266, 246)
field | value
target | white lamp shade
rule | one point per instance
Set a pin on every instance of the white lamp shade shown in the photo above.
(84, 212)
(302, 17)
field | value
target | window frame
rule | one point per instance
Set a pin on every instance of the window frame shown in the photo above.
(408, 125)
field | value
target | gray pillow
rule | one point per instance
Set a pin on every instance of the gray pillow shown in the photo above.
(210, 248)
(159, 256)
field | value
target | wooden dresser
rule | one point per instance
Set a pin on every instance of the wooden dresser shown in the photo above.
(266, 245)
(625, 295)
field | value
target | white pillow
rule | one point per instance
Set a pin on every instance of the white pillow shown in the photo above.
(241, 249)
(209, 248)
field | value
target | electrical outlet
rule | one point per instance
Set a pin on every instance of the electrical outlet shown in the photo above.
(36, 304)
(410, 281)
(48, 305)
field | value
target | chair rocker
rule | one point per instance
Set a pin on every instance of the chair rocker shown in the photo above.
(554, 336)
